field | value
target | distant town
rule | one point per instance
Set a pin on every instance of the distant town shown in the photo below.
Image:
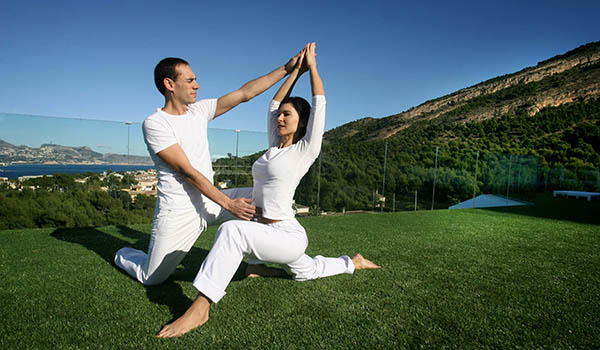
(145, 182)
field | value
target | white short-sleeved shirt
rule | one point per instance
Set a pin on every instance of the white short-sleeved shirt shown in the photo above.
(278, 171)
(162, 130)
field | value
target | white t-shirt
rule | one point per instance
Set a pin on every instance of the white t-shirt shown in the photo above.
(162, 130)
(279, 170)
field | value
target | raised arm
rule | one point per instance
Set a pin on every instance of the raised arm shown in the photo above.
(176, 158)
(315, 79)
(254, 87)
(315, 128)
(286, 88)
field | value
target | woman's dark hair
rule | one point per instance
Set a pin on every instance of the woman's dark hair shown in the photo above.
(166, 69)
(302, 107)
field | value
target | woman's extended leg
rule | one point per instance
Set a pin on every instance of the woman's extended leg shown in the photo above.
(307, 268)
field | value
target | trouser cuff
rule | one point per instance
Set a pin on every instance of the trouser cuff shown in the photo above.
(349, 264)
(208, 288)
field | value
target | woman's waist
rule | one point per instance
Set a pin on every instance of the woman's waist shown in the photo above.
(264, 220)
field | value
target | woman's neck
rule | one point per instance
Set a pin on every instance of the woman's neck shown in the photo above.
(286, 141)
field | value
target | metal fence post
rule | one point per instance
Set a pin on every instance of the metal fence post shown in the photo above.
(319, 184)
(415, 200)
(476, 168)
(508, 177)
(384, 168)
(237, 158)
(434, 178)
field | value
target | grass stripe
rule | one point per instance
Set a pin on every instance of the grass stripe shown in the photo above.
(450, 279)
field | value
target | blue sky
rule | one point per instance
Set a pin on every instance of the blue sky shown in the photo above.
(94, 59)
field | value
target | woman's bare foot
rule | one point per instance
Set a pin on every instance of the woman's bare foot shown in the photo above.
(194, 317)
(262, 270)
(360, 263)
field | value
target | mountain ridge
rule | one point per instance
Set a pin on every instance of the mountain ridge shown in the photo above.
(561, 90)
(53, 153)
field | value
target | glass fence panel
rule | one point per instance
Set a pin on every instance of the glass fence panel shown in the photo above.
(226, 143)
(105, 141)
(444, 178)
(35, 131)
(230, 150)
(382, 180)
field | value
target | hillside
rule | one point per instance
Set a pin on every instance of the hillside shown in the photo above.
(534, 130)
(570, 77)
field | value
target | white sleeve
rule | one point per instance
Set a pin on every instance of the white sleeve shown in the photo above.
(158, 134)
(273, 136)
(311, 142)
(206, 108)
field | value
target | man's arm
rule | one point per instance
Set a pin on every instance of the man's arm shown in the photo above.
(288, 85)
(176, 158)
(254, 87)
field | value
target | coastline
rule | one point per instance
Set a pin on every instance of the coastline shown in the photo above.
(71, 163)
(15, 170)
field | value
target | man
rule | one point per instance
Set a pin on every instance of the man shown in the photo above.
(176, 137)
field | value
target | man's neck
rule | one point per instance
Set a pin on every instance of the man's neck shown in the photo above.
(174, 107)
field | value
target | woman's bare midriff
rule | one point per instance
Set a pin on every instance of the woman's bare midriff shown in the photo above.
(263, 220)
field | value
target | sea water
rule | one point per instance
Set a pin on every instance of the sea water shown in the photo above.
(16, 170)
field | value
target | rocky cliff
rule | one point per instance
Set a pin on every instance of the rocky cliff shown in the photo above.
(573, 76)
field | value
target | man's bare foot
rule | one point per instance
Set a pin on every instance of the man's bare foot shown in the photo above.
(194, 317)
(360, 263)
(262, 270)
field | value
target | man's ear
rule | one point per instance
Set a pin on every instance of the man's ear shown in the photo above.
(169, 84)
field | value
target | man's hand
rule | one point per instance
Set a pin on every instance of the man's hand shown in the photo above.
(289, 67)
(242, 208)
(176, 158)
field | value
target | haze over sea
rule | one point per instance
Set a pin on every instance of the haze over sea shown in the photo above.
(16, 170)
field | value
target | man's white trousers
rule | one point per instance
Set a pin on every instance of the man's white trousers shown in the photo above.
(174, 232)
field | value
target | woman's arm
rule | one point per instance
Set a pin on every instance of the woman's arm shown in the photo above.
(283, 92)
(315, 79)
(316, 123)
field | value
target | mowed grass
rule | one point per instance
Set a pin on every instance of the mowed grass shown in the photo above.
(450, 279)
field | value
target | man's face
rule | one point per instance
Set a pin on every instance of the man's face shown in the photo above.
(185, 86)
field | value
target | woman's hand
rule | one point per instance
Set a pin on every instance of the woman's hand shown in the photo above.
(311, 55)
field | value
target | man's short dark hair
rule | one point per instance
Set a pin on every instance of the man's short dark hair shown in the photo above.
(166, 69)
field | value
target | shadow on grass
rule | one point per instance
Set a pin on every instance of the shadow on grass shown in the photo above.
(168, 293)
(557, 208)
(101, 243)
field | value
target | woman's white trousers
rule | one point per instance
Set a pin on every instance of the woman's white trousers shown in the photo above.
(282, 243)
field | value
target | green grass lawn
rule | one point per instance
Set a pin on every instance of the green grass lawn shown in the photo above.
(450, 279)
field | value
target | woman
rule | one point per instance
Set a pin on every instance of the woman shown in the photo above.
(295, 135)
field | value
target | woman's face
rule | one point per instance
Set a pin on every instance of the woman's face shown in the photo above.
(287, 120)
